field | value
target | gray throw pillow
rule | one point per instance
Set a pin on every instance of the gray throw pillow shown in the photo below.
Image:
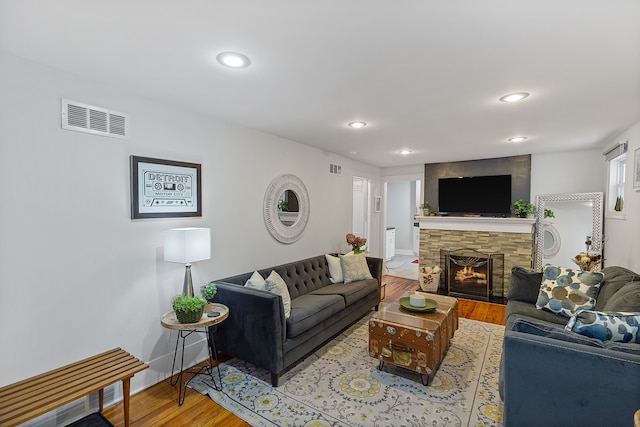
(524, 285)
(627, 299)
(276, 285)
(615, 277)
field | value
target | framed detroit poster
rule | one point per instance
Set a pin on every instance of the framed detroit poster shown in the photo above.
(165, 188)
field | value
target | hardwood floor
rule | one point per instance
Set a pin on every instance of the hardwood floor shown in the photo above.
(158, 405)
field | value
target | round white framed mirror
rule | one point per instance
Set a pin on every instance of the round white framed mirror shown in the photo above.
(286, 208)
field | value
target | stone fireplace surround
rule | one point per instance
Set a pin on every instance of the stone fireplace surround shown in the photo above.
(513, 237)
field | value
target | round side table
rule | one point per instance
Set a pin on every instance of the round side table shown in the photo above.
(206, 325)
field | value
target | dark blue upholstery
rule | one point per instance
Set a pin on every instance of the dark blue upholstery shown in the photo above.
(553, 377)
(258, 332)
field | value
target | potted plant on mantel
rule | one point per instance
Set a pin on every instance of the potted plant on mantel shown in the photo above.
(426, 209)
(188, 309)
(523, 209)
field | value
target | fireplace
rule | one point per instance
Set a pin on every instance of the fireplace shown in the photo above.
(473, 274)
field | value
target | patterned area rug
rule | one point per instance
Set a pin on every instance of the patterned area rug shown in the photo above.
(340, 385)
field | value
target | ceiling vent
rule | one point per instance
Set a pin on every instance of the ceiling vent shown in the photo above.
(335, 169)
(99, 121)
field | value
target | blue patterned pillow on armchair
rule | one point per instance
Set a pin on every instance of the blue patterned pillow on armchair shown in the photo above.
(619, 327)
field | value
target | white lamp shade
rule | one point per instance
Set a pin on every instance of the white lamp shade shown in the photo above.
(186, 245)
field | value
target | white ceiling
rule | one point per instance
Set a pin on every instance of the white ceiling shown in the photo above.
(425, 74)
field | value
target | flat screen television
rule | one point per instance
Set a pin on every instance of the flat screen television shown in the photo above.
(481, 195)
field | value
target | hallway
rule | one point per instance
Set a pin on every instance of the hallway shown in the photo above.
(402, 266)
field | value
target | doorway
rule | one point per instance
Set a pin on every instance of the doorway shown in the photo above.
(403, 195)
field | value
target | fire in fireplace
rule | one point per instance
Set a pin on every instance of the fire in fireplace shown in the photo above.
(470, 273)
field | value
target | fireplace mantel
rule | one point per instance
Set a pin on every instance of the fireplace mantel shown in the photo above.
(458, 223)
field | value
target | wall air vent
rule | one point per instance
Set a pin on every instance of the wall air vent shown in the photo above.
(335, 169)
(99, 121)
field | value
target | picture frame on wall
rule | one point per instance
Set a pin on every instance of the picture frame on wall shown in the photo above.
(377, 205)
(165, 188)
(636, 169)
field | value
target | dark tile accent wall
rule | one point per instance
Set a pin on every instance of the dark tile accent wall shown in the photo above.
(519, 167)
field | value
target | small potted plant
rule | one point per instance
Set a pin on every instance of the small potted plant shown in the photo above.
(426, 209)
(283, 205)
(523, 208)
(548, 213)
(208, 291)
(188, 309)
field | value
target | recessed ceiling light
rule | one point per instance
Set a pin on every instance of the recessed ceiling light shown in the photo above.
(517, 139)
(353, 153)
(405, 152)
(233, 59)
(357, 125)
(514, 97)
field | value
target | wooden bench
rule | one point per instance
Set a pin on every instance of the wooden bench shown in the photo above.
(38, 395)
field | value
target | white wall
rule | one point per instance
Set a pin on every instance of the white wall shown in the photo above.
(77, 275)
(567, 172)
(622, 236)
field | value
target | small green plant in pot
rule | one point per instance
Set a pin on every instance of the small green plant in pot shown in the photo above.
(426, 208)
(188, 309)
(208, 291)
(523, 208)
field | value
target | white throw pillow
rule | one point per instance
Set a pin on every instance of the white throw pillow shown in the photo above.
(335, 268)
(355, 267)
(276, 285)
(256, 281)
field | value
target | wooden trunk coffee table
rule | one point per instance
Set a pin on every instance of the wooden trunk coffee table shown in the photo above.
(413, 340)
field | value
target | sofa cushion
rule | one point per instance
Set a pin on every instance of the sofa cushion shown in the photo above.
(276, 285)
(626, 299)
(524, 285)
(309, 310)
(565, 291)
(256, 281)
(625, 347)
(524, 310)
(615, 277)
(558, 333)
(355, 267)
(351, 292)
(620, 327)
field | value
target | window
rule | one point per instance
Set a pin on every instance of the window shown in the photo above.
(617, 166)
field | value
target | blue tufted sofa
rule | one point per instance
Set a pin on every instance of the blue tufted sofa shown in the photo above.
(258, 332)
(553, 377)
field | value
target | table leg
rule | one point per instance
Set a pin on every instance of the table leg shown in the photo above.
(213, 355)
(126, 389)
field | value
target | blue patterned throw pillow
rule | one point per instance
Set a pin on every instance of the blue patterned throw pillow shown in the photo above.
(618, 327)
(564, 291)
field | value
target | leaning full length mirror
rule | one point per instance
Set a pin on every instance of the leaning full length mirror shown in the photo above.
(286, 208)
(575, 228)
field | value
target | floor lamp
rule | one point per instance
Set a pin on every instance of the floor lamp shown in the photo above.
(187, 245)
